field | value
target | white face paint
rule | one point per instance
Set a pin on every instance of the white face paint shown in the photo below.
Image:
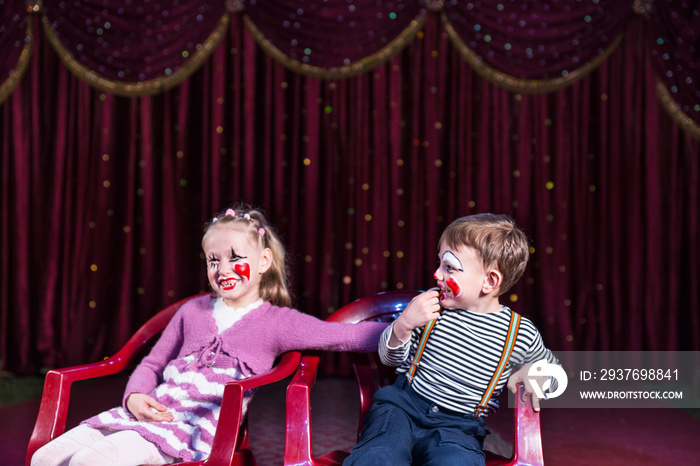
(451, 260)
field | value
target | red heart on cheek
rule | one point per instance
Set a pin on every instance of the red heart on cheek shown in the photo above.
(242, 269)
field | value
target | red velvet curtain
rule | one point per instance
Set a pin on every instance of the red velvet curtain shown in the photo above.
(103, 197)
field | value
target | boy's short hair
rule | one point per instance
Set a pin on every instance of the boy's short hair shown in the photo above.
(497, 240)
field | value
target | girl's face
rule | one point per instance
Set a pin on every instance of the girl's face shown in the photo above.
(460, 277)
(235, 263)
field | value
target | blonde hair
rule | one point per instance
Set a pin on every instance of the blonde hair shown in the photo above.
(497, 240)
(274, 286)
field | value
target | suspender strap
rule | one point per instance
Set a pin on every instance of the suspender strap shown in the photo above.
(419, 352)
(507, 349)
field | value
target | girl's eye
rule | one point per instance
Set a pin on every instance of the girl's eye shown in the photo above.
(449, 268)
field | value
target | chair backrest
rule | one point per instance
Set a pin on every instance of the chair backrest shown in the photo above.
(370, 374)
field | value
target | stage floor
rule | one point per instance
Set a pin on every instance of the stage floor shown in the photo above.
(571, 437)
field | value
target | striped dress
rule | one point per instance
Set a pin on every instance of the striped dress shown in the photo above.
(208, 344)
(461, 356)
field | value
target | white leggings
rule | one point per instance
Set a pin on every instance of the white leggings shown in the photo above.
(85, 445)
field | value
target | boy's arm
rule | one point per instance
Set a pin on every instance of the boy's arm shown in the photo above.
(537, 351)
(392, 355)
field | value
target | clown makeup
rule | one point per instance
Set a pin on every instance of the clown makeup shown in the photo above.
(451, 264)
(454, 287)
(465, 283)
(226, 281)
(235, 263)
(451, 261)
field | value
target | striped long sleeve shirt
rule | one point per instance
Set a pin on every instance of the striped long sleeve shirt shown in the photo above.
(461, 356)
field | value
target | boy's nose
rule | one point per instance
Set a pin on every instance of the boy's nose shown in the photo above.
(436, 275)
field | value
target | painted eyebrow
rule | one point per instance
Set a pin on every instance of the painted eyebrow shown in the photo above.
(235, 255)
(450, 259)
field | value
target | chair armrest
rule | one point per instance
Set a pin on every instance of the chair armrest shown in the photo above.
(51, 421)
(527, 436)
(227, 431)
(297, 440)
(53, 411)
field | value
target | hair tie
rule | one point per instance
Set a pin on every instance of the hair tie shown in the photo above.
(230, 212)
(261, 231)
(247, 217)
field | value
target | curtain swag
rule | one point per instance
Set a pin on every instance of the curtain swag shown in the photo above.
(15, 74)
(139, 88)
(683, 120)
(143, 49)
(343, 71)
(16, 38)
(523, 85)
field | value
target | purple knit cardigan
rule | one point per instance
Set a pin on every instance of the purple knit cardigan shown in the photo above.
(254, 342)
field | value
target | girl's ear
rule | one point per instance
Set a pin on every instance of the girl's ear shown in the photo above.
(265, 260)
(492, 282)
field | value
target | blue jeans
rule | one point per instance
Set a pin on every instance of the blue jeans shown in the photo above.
(403, 428)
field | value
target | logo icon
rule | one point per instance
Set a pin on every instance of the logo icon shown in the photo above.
(542, 368)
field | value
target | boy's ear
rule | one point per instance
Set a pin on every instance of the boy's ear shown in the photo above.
(492, 282)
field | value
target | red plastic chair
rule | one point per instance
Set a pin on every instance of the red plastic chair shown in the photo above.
(231, 441)
(369, 375)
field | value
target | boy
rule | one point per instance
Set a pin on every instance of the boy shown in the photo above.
(432, 415)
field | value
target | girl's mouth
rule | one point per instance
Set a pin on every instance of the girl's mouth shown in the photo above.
(228, 283)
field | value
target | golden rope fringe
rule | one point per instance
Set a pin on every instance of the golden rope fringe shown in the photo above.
(143, 88)
(10, 83)
(530, 86)
(346, 71)
(682, 118)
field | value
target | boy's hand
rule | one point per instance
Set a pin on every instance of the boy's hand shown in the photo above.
(421, 310)
(147, 409)
(521, 377)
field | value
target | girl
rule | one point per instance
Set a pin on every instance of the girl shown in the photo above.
(172, 400)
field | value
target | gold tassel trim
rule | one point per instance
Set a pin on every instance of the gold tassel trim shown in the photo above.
(25, 56)
(680, 117)
(143, 88)
(530, 86)
(346, 71)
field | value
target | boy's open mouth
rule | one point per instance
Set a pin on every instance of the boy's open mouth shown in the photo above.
(443, 292)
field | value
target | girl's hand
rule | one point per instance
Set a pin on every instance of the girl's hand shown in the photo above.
(421, 310)
(146, 408)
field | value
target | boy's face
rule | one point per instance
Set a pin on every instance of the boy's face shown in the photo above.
(460, 276)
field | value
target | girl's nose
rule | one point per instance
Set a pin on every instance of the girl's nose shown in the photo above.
(436, 275)
(226, 268)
